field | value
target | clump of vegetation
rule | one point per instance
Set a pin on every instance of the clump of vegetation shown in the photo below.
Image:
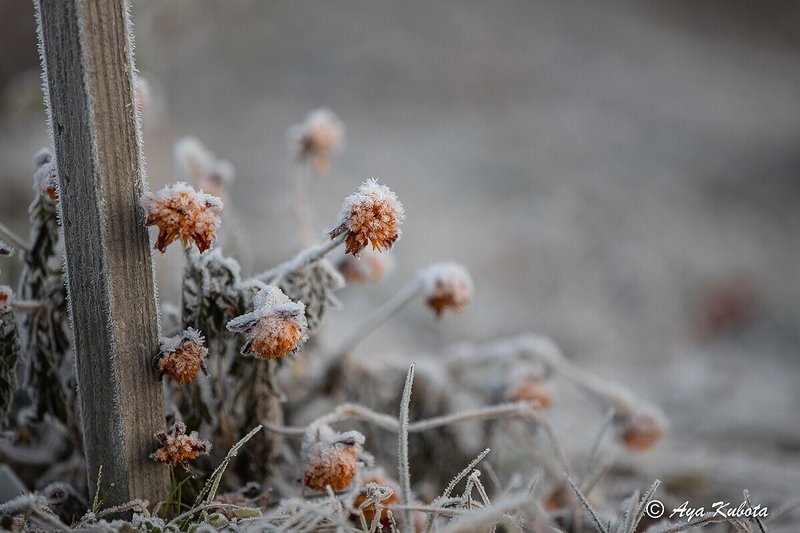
(244, 375)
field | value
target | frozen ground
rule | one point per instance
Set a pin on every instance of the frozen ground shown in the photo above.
(605, 170)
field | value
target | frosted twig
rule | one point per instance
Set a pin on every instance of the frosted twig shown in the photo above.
(585, 502)
(403, 467)
(378, 317)
(303, 259)
(27, 306)
(301, 209)
(477, 520)
(347, 411)
(13, 237)
(209, 491)
(758, 521)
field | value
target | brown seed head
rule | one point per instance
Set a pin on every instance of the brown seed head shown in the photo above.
(321, 134)
(181, 212)
(330, 459)
(376, 477)
(370, 216)
(183, 356)
(641, 430)
(275, 328)
(533, 390)
(6, 297)
(178, 447)
(45, 176)
(447, 286)
(370, 266)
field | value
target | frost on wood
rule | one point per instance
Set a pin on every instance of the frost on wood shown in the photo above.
(372, 215)
(275, 328)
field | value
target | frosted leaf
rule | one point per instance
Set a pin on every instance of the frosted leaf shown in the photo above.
(447, 286)
(315, 286)
(210, 292)
(371, 215)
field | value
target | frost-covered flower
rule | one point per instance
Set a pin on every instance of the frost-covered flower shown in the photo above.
(183, 356)
(178, 447)
(321, 134)
(276, 327)
(372, 214)
(45, 176)
(6, 296)
(194, 163)
(377, 485)
(142, 92)
(447, 286)
(369, 266)
(640, 430)
(181, 212)
(330, 458)
(531, 389)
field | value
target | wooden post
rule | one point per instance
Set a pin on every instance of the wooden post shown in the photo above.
(88, 68)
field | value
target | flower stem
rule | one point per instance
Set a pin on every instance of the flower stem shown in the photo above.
(303, 259)
(13, 237)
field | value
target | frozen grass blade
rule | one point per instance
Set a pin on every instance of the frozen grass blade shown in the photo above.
(403, 467)
(585, 502)
(209, 491)
(758, 521)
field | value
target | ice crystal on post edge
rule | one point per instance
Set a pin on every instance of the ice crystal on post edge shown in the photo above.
(181, 212)
(372, 215)
(275, 328)
(330, 458)
(447, 286)
(183, 356)
(178, 447)
(321, 134)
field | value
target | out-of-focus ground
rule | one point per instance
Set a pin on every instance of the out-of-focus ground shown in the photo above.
(621, 176)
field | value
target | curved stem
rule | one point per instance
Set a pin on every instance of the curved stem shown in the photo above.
(275, 276)
(13, 237)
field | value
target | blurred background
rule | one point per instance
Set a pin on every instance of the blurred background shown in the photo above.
(621, 176)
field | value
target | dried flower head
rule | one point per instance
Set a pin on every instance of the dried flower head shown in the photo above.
(183, 356)
(142, 92)
(45, 176)
(194, 163)
(640, 430)
(369, 266)
(178, 447)
(531, 389)
(181, 212)
(447, 286)
(276, 327)
(321, 134)
(6, 297)
(372, 214)
(330, 458)
(377, 485)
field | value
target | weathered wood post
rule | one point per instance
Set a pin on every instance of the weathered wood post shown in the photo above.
(88, 68)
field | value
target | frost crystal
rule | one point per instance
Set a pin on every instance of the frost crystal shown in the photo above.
(330, 458)
(275, 328)
(178, 447)
(181, 212)
(447, 286)
(183, 356)
(372, 214)
(321, 134)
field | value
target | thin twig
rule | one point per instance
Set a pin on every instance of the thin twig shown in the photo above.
(303, 259)
(9, 234)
